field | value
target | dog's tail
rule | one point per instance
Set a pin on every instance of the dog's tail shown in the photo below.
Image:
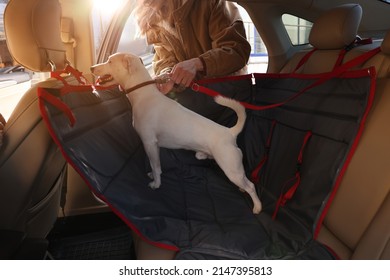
(238, 108)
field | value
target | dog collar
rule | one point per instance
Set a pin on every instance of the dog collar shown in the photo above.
(140, 86)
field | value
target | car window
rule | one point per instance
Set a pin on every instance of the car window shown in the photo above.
(132, 41)
(258, 60)
(103, 12)
(116, 30)
(298, 29)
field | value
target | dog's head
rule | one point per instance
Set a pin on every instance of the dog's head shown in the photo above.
(120, 68)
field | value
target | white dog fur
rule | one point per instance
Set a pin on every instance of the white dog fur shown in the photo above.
(162, 122)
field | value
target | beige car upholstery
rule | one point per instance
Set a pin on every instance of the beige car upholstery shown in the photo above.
(32, 169)
(357, 225)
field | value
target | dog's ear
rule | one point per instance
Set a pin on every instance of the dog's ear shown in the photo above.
(127, 63)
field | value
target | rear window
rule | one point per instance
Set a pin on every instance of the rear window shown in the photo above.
(298, 29)
(258, 60)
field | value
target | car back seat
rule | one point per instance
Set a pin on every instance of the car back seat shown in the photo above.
(356, 226)
(333, 33)
(32, 169)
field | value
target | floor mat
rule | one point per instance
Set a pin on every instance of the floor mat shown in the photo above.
(110, 244)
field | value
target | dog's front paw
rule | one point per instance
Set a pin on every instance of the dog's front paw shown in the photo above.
(156, 180)
(201, 155)
(154, 185)
(257, 208)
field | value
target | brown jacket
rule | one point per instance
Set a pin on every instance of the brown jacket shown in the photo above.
(209, 29)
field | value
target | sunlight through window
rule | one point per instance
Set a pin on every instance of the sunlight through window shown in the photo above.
(107, 7)
(102, 13)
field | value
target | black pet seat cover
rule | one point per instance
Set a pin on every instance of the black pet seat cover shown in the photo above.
(296, 153)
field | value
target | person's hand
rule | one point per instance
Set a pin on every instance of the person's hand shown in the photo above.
(166, 87)
(180, 77)
(184, 72)
(164, 83)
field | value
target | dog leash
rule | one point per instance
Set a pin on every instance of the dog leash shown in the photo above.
(337, 72)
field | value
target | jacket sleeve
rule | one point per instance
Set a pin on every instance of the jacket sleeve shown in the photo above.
(230, 48)
(163, 60)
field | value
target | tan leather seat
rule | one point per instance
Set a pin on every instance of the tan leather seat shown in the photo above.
(357, 225)
(32, 169)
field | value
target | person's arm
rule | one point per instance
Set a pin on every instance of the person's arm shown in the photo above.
(163, 61)
(230, 48)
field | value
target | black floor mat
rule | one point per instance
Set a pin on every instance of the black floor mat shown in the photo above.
(111, 244)
(97, 237)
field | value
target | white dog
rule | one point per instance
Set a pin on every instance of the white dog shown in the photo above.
(162, 122)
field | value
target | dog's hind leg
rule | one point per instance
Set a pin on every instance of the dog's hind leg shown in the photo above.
(153, 152)
(243, 183)
(231, 164)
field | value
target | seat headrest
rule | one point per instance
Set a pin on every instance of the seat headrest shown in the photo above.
(33, 30)
(385, 47)
(336, 28)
